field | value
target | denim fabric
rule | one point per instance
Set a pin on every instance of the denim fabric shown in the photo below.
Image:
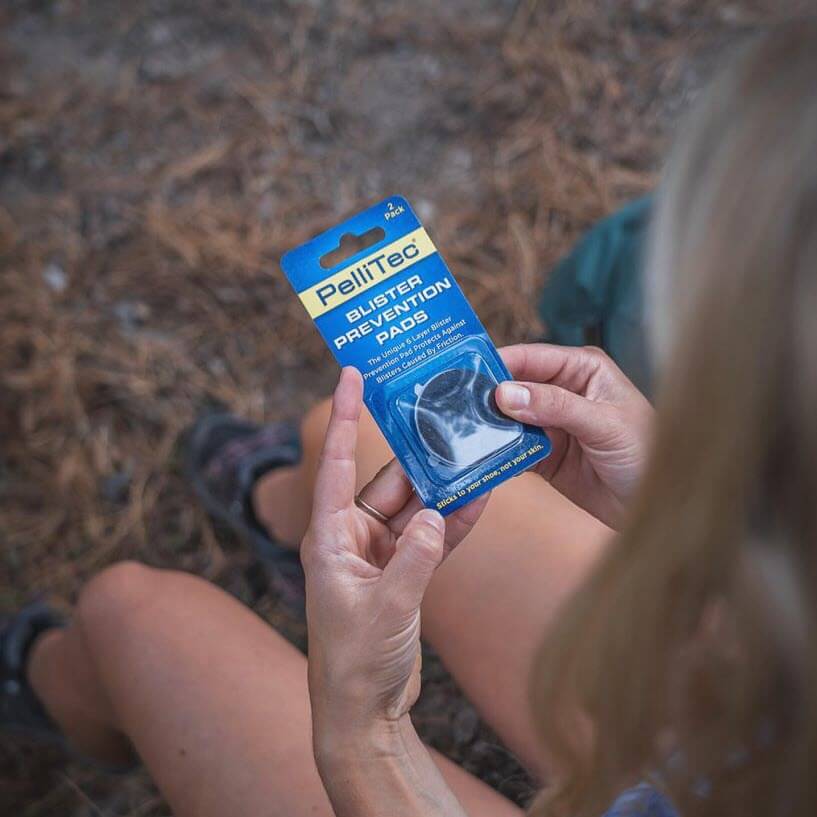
(641, 801)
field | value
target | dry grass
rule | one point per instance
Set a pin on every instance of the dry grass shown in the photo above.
(154, 164)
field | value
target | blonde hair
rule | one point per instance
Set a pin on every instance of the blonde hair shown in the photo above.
(690, 656)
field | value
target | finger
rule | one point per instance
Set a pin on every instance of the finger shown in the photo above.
(554, 407)
(419, 552)
(398, 522)
(389, 490)
(550, 465)
(566, 366)
(460, 523)
(457, 526)
(335, 480)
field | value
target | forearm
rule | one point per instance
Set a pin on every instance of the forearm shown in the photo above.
(385, 771)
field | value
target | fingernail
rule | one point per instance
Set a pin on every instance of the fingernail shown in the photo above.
(513, 396)
(432, 518)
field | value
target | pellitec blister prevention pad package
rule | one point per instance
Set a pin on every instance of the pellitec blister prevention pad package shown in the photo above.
(393, 310)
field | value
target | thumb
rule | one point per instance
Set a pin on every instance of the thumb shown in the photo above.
(418, 553)
(554, 407)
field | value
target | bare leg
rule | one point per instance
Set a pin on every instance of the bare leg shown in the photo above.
(490, 603)
(61, 672)
(213, 700)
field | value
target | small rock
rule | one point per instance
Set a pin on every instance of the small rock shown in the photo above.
(433, 669)
(435, 701)
(115, 487)
(518, 787)
(466, 725)
(425, 209)
(484, 754)
(731, 13)
(55, 277)
(160, 33)
(217, 367)
(229, 295)
(131, 314)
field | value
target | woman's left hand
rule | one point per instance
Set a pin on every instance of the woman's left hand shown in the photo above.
(365, 582)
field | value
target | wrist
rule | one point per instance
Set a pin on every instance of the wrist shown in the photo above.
(380, 768)
(338, 740)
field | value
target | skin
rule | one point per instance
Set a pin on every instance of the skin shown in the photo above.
(212, 700)
(167, 664)
(597, 420)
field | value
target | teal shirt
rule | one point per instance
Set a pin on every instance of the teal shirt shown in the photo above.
(595, 296)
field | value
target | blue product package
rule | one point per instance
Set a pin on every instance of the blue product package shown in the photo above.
(394, 311)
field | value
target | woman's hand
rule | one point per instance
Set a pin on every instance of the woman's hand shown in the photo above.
(598, 422)
(365, 581)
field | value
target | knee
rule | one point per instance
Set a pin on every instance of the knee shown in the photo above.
(116, 596)
(371, 442)
(313, 426)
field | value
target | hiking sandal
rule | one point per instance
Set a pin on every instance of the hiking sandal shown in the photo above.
(225, 457)
(21, 712)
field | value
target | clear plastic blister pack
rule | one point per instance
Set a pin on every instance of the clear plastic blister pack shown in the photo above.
(448, 412)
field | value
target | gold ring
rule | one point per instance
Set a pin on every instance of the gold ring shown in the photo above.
(373, 512)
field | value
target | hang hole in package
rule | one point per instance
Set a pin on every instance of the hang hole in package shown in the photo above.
(393, 310)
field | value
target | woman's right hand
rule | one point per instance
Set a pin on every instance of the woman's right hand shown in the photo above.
(598, 422)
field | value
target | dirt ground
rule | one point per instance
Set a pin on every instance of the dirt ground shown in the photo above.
(157, 157)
